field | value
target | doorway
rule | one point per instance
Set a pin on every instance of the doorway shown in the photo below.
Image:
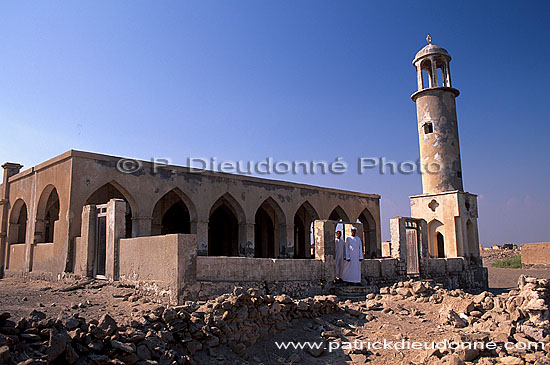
(100, 254)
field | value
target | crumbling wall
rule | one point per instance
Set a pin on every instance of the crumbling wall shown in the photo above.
(535, 254)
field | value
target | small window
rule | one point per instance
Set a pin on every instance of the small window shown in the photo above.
(428, 128)
(459, 174)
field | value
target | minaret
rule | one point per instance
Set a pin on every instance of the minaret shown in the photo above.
(450, 212)
(437, 122)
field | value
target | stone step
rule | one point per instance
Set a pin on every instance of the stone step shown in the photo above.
(344, 291)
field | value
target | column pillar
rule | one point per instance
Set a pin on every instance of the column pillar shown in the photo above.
(399, 243)
(10, 169)
(286, 240)
(246, 239)
(325, 247)
(141, 226)
(116, 229)
(448, 73)
(200, 228)
(424, 252)
(87, 240)
(434, 72)
(419, 78)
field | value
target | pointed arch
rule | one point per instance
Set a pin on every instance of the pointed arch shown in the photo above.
(113, 190)
(436, 239)
(369, 234)
(47, 214)
(18, 222)
(303, 230)
(338, 214)
(173, 213)
(269, 216)
(223, 226)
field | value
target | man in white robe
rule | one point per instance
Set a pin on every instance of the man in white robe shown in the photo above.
(353, 254)
(339, 256)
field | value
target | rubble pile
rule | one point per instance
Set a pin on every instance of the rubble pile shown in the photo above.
(519, 316)
(159, 336)
(492, 255)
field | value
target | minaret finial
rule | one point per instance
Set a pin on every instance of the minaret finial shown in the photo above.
(429, 39)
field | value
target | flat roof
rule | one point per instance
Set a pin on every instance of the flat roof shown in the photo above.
(97, 156)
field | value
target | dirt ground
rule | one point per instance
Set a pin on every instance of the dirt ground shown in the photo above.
(398, 319)
(401, 319)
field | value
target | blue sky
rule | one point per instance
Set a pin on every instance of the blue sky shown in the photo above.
(294, 80)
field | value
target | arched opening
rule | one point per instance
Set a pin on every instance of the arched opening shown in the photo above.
(170, 215)
(439, 73)
(303, 231)
(108, 192)
(440, 245)
(264, 234)
(223, 228)
(338, 214)
(434, 248)
(267, 241)
(369, 235)
(18, 222)
(426, 69)
(47, 214)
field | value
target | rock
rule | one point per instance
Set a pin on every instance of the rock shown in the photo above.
(353, 312)
(418, 287)
(57, 344)
(194, 346)
(536, 305)
(70, 355)
(358, 358)
(143, 352)
(452, 360)
(449, 316)
(126, 347)
(30, 337)
(467, 354)
(294, 358)
(4, 354)
(239, 349)
(72, 323)
(315, 352)
(107, 324)
(37, 315)
(511, 360)
(405, 292)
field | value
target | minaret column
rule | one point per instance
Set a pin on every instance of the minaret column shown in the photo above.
(434, 72)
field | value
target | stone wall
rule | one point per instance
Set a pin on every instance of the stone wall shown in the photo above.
(211, 268)
(160, 265)
(16, 258)
(535, 254)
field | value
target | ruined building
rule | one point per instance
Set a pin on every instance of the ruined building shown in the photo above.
(179, 233)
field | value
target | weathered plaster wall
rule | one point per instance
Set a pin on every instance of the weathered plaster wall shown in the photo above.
(157, 264)
(17, 258)
(453, 210)
(535, 254)
(32, 184)
(441, 147)
(199, 191)
(213, 268)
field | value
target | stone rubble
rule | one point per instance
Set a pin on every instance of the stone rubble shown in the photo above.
(174, 335)
(164, 335)
(519, 316)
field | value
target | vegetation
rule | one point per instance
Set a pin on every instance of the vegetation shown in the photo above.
(509, 263)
